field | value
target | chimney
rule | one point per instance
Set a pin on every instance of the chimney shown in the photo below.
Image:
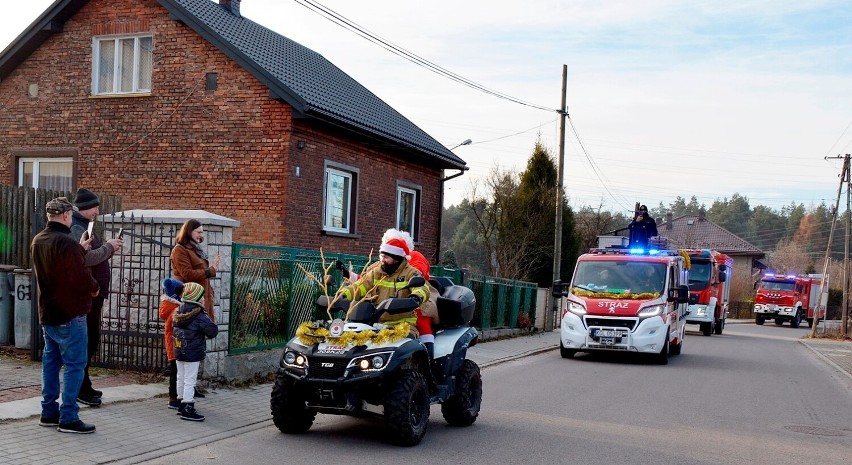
(701, 215)
(232, 6)
(669, 221)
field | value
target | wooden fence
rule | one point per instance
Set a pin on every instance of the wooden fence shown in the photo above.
(22, 216)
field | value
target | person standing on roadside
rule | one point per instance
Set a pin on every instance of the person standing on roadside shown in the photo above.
(97, 258)
(65, 291)
(191, 264)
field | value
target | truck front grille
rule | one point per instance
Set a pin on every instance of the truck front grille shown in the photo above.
(629, 323)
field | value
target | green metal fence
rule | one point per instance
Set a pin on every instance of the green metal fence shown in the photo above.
(272, 294)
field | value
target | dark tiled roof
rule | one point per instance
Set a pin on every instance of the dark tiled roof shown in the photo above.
(299, 76)
(694, 231)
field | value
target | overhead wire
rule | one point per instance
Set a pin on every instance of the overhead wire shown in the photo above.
(344, 22)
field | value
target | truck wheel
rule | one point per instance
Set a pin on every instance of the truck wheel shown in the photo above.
(720, 325)
(663, 357)
(407, 409)
(566, 353)
(810, 322)
(675, 349)
(794, 323)
(758, 321)
(706, 329)
(289, 410)
(462, 408)
(779, 322)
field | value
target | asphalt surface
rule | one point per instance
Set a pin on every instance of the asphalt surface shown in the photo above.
(134, 423)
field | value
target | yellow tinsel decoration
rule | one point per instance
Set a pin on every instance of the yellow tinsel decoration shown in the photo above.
(687, 262)
(310, 333)
(612, 295)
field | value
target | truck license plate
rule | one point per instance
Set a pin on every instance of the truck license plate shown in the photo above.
(609, 333)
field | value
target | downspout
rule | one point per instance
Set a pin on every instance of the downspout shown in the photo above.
(441, 209)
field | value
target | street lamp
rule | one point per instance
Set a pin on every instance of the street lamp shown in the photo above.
(465, 142)
(441, 198)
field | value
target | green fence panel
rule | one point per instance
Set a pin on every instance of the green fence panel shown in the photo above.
(274, 290)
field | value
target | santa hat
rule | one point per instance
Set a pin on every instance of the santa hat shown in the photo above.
(418, 261)
(394, 243)
(397, 234)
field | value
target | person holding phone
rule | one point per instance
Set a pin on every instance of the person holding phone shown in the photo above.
(97, 259)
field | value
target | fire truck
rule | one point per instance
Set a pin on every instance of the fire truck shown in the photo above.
(790, 298)
(709, 289)
(626, 300)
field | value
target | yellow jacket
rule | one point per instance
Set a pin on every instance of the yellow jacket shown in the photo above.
(378, 286)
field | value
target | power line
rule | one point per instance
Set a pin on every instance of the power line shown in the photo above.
(347, 24)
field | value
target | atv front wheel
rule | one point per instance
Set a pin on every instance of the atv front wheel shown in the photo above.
(462, 408)
(289, 410)
(407, 409)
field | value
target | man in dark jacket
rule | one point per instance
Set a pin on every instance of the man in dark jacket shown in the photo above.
(98, 259)
(65, 290)
(642, 228)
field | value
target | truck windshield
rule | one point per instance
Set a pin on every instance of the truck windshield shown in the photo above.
(699, 275)
(778, 286)
(620, 277)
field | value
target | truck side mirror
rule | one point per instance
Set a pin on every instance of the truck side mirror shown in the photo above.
(722, 275)
(558, 289)
(679, 294)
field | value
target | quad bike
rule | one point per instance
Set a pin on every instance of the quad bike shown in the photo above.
(363, 368)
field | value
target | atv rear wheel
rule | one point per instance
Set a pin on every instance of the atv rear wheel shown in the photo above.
(407, 409)
(289, 410)
(462, 408)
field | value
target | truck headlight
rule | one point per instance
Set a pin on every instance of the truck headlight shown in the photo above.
(700, 310)
(576, 308)
(648, 312)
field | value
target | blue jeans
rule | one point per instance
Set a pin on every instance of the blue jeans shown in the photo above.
(63, 344)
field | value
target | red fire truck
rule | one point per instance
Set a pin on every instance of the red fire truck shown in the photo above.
(790, 298)
(709, 289)
(625, 300)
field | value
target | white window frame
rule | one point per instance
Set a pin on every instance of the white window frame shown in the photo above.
(332, 209)
(402, 191)
(136, 87)
(37, 162)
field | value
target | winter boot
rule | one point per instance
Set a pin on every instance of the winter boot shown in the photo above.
(189, 412)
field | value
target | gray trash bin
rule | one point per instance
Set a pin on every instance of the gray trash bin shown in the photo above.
(7, 315)
(23, 308)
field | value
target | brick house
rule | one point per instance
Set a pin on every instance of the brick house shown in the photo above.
(185, 104)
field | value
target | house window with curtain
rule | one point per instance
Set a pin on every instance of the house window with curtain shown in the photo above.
(408, 210)
(339, 199)
(46, 173)
(122, 65)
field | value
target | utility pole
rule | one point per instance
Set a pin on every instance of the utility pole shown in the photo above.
(844, 178)
(549, 317)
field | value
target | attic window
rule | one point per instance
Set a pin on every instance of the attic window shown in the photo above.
(690, 222)
(122, 64)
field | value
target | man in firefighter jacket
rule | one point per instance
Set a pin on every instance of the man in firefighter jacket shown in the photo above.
(387, 278)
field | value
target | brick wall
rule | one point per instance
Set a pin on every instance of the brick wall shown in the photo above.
(230, 151)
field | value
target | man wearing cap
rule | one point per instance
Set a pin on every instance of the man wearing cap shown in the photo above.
(389, 277)
(642, 228)
(65, 291)
(97, 259)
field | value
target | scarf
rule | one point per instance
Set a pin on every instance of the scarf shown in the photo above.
(201, 253)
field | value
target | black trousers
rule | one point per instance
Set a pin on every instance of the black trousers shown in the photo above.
(93, 327)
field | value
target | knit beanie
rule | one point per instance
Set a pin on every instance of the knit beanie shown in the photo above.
(192, 292)
(85, 199)
(172, 288)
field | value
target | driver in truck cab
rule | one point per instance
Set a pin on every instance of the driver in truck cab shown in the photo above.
(388, 278)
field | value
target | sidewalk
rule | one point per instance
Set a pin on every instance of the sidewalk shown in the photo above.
(134, 424)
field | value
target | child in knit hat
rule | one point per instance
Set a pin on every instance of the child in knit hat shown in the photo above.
(169, 302)
(191, 325)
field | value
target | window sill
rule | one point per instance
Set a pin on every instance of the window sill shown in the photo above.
(340, 234)
(100, 96)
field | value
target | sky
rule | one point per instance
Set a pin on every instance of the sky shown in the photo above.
(665, 98)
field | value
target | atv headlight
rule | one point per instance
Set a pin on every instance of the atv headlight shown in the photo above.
(295, 360)
(648, 312)
(372, 362)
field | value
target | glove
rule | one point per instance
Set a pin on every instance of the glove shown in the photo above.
(342, 267)
(416, 300)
